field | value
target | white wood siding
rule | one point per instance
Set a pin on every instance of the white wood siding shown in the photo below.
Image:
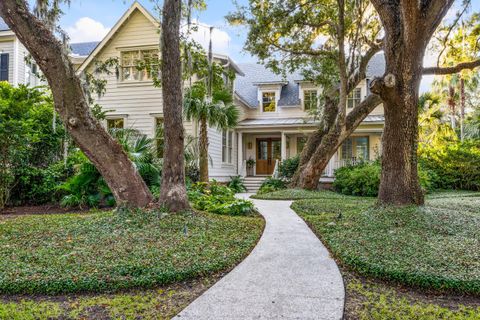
(141, 101)
(218, 170)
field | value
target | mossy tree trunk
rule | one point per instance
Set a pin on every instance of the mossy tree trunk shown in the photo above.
(173, 193)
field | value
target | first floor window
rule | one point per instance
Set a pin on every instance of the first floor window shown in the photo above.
(115, 123)
(227, 146)
(310, 99)
(139, 65)
(301, 142)
(355, 148)
(354, 98)
(268, 102)
(159, 139)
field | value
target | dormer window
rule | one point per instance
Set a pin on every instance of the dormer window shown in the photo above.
(354, 98)
(131, 61)
(310, 99)
(269, 103)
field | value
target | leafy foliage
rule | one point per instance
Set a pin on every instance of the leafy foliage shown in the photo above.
(216, 198)
(288, 167)
(88, 189)
(359, 179)
(452, 166)
(107, 251)
(271, 184)
(30, 139)
(236, 184)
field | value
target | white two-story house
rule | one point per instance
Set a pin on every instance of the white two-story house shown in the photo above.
(16, 66)
(275, 120)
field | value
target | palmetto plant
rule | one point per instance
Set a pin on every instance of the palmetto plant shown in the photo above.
(88, 188)
(217, 111)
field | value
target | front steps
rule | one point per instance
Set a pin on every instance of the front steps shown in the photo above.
(253, 183)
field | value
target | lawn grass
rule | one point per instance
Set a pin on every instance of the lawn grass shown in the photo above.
(107, 251)
(435, 246)
(297, 194)
(160, 303)
(374, 300)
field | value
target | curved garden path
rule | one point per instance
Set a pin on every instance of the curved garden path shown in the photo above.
(289, 275)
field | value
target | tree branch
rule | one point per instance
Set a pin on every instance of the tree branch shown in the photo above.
(358, 114)
(454, 69)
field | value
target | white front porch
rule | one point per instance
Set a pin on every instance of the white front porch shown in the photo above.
(269, 148)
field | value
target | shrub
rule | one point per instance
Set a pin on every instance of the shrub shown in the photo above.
(216, 198)
(452, 166)
(27, 137)
(39, 185)
(271, 185)
(88, 188)
(237, 185)
(288, 167)
(359, 180)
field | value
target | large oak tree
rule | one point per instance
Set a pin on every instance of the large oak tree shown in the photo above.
(35, 31)
(173, 192)
(408, 26)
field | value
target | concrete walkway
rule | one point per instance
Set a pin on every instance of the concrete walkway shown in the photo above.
(289, 275)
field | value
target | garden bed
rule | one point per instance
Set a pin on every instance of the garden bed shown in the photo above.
(107, 251)
(433, 247)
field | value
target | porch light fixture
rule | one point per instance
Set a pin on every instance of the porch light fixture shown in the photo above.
(249, 146)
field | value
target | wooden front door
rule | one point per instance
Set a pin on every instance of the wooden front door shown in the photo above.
(268, 150)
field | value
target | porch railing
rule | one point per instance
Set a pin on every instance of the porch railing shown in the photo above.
(275, 169)
(337, 164)
(243, 169)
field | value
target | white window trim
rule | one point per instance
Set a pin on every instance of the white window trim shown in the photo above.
(260, 99)
(115, 117)
(121, 79)
(228, 147)
(353, 94)
(303, 96)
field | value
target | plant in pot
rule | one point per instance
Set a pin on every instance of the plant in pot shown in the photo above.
(250, 166)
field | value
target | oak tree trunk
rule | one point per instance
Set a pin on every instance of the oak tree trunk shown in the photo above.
(203, 150)
(101, 149)
(173, 193)
(324, 143)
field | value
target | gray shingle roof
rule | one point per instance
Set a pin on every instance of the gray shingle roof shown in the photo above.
(3, 25)
(247, 87)
(376, 66)
(83, 49)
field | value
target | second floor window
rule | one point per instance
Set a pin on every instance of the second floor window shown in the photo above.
(310, 99)
(354, 98)
(139, 65)
(268, 102)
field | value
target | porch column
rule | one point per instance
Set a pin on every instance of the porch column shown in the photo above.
(284, 146)
(240, 168)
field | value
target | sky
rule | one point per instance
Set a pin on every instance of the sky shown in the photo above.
(90, 20)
